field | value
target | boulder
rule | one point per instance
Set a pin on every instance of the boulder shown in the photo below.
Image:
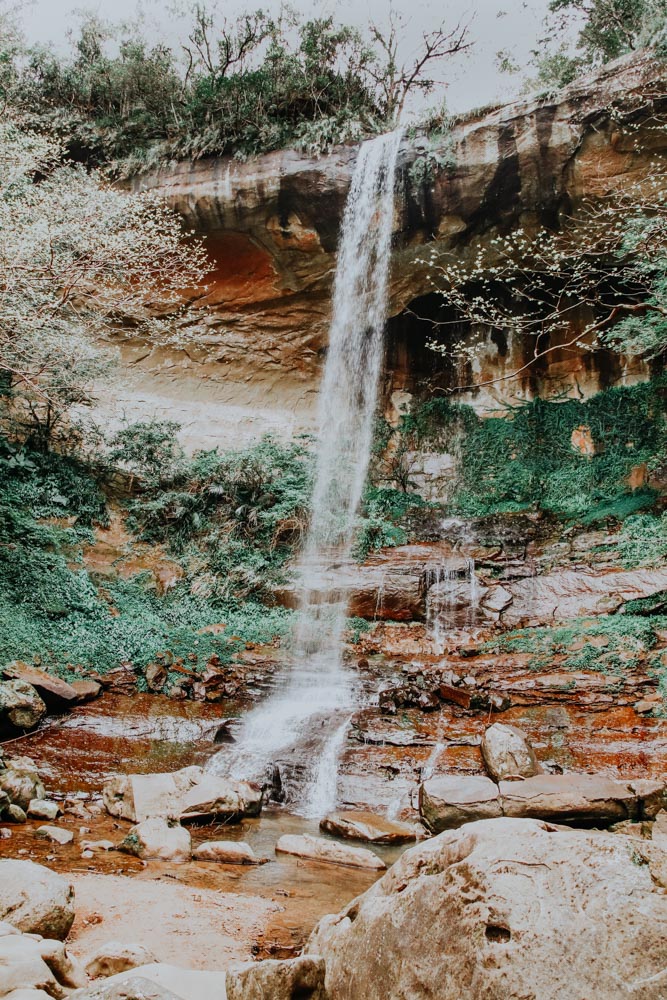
(293, 979)
(23, 968)
(20, 705)
(21, 782)
(507, 753)
(319, 849)
(505, 909)
(35, 899)
(448, 801)
(14, 814)
(190, 793)
(54, 692)
(227, 852)
(360, 825)
(43, 809)
(116, 956)
(158, 838)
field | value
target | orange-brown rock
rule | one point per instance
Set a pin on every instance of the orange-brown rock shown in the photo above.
(252, 362)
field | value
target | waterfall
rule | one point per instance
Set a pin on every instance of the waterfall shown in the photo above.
(308, 715)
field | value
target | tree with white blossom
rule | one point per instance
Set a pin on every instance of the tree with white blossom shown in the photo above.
(79, 260)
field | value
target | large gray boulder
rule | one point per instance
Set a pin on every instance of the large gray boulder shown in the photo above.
(506, 909)
(507, 753)
(35, 900)
(20, 705)
(293, 979)
(21, 782)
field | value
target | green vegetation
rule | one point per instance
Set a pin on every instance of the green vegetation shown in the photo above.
(240, 87)
(610, 644)
(230, 519)
(527, 459)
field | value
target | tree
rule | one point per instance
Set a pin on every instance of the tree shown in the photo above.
(600, 281)
(396, 79)
(78, 260)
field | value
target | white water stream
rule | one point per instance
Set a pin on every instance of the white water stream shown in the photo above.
(305, 721)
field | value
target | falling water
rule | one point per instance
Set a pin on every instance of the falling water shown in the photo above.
(313, 707)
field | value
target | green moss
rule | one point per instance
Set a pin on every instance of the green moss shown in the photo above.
(526, 458)
(627, 640)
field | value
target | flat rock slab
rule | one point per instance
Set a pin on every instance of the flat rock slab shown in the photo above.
(319, 849)
(133, 987)
(366, 826)
(55, 834)
(187, 794)
(446, 802)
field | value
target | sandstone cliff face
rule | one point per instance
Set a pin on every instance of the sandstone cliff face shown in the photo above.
(271, 226)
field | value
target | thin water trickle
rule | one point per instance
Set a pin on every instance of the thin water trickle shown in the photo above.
(313, 706)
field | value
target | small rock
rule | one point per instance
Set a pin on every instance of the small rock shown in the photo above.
(43, 809)
(157, 838)
(319, 849)
(116, 956)
(86, 690)
(14, 814)
(56, 834)
(98, 845)
(227, 852)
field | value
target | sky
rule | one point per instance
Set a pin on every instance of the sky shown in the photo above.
(473, 79)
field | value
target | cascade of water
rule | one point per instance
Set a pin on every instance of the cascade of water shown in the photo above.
(446, 586)
(319, 693)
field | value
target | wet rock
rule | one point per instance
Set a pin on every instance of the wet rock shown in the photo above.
(507, 753)
(20, 705)
(120, 680)
(14, 814)
(114, 957)
(158, 839)
(456, 695)
(184, 795)
(359, 825)
(55, 834)
(227, 852)
(497, 599)
(156, 676)
(319, 849)
(43, 809)
(54, 692)
(35, 899)
(448, 801)
(293, 979)
(504, 909)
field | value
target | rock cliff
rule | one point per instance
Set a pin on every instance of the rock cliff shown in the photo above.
(271, 226)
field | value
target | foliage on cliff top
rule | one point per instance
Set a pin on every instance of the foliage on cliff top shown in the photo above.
(246, 86)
